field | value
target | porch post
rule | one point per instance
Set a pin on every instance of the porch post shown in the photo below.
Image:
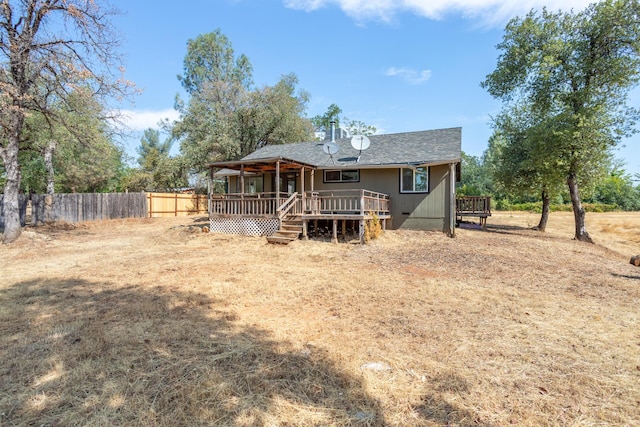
(242, 181)
(302, 188)
(452, 200)
(313, 178)
(277, 183)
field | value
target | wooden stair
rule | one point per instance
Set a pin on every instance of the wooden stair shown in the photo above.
(289, 231)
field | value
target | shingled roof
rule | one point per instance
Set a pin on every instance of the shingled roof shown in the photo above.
(427, 147)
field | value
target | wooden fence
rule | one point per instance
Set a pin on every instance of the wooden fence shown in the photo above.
(79, 207)
(168, 204)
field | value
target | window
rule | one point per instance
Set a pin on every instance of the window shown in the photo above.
(342, 175)
(414, 180)
(253, 184)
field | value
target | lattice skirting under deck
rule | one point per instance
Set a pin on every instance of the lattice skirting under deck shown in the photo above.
(244, 226)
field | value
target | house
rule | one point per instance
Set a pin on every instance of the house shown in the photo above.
(407, 180)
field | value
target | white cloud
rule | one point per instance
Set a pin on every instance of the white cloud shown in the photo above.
(412, 76)
(139, 120)
(490, 12)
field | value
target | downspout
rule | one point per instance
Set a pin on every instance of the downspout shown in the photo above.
(452, 200)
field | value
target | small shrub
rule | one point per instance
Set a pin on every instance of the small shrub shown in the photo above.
(372, 228)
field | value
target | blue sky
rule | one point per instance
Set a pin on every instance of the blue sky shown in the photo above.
(400, 65)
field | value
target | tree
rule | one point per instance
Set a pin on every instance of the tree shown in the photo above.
(475, 178)
(158, 171)
(358, 127)
(617, 189)
(322, 123)
(225, 118)
(521, 159)
(48, 49)
(576, 70)
(151, 150)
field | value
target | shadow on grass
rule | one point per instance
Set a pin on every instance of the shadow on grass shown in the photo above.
(437, 409)
(626, 276)
(89, 353)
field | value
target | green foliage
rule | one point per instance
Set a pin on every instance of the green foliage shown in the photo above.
(151, 150)
(85, 159)
(158, 171)
(616, 189)
(358, 127)
(322, 123)
(475, 177)
(224, 118)
(564, 79)
(536, 207)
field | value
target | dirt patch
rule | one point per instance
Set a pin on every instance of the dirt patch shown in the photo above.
(153, 322)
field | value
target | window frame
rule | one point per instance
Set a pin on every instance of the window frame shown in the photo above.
(413, 184)
(341, 180)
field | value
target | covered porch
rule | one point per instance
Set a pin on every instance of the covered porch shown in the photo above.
(265, 213)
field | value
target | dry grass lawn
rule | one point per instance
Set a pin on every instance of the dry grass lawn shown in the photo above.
(152, 323)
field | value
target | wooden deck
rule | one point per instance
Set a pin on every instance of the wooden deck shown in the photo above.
(473, 206)
(264, 212)
(345, 204)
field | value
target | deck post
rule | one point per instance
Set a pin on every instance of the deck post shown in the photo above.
(361, 231)
(335, 231)
(305, 225)
(344, 228)
(315, 228)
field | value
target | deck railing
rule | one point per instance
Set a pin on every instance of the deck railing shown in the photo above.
(359, 202)
(473, 205)
(244, 204)
(323, 202)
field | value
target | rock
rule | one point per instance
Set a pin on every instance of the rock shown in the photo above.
(376, 366)
(635, 260)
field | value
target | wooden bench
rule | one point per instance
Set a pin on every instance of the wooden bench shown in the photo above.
(474, 206)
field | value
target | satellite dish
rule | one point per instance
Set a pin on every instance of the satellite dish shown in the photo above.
(330, 148)
(360, 142)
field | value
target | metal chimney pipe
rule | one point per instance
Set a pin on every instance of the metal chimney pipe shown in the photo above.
(333, 131)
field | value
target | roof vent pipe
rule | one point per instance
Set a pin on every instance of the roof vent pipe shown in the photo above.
(333, 131)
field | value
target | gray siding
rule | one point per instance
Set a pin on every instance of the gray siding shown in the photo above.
(422, 211)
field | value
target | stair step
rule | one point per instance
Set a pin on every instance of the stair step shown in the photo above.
(292, 224)
(283, 240)
(287, 227)
(288, 233)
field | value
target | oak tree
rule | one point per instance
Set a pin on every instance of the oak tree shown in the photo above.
(48, 49)
(575, 69)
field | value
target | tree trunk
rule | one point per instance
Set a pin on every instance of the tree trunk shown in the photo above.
(48, 164)
(544, 218)
(11, 211)
(578, 210)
